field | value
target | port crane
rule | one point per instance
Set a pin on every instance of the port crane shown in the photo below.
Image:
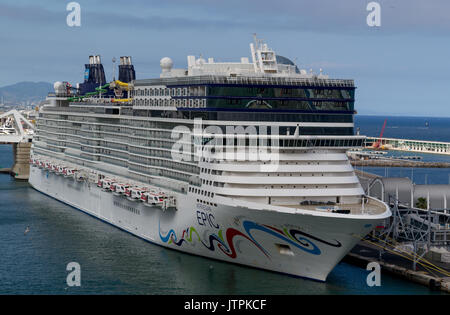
(377, 144)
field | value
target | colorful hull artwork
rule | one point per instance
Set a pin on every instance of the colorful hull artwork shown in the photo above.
(300, 240)
(307, 246)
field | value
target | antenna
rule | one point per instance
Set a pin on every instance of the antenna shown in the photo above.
(258, 42)
(114, 68)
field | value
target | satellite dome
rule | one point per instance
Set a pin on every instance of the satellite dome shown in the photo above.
(166, 64)
(59, 87)
(285, 61)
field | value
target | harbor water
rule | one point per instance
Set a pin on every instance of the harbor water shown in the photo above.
(115, 262)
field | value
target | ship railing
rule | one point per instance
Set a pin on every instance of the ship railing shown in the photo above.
(261, 80)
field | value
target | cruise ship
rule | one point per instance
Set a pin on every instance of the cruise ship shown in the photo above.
(242, 161)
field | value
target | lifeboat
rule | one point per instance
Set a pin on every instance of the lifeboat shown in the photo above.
(112, 187)
(54, 168)
(134, 193)
(61, 170)
(64, 171)
(70, 172)
(35, 162)
(138, 193)
(107, 184)
(120, 189)
(128, 192)
(152, 199)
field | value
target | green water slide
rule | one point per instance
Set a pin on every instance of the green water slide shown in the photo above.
(99, 90)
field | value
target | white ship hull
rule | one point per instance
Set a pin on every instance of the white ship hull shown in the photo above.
(302, 245)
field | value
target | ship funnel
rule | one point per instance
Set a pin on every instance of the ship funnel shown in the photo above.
(126, 70)
(125, 61)
(94, 75)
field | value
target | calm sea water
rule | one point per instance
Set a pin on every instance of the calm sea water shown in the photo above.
(115, 262)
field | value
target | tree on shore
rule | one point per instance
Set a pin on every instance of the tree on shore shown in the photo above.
(422, 203)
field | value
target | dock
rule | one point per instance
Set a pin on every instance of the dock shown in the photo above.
(382, 159)
(384, 162)
(408, 145)
(414, 244)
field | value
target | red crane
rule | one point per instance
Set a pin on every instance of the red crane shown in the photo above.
(376, 145)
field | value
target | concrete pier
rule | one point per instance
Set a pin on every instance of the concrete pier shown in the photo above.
(21, 141)
(21, 167)
(5, 170)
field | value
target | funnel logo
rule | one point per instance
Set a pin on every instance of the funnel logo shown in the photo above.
(74, 17)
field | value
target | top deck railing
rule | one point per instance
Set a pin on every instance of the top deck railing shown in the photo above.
(256, 80)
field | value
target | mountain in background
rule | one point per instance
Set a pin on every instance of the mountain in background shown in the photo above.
(25, 93)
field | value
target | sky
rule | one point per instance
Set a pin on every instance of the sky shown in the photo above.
(401, 67)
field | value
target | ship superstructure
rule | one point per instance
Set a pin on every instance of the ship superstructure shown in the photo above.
(243, 162)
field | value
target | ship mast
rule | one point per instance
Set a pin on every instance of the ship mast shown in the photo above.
(264, 58)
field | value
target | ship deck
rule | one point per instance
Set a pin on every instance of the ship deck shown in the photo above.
(372, 207)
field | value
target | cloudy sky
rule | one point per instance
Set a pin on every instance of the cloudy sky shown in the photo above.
(401, 67)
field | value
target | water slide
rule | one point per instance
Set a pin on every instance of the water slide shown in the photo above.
(98, 90)
(103, 89)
